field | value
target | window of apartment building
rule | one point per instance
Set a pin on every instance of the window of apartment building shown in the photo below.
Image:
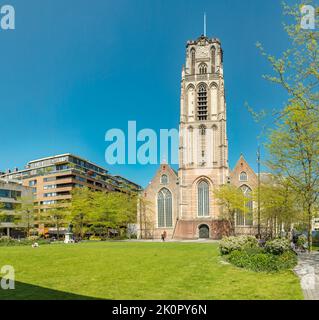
(49, 186)
(10, 194)
(77, 185)
(79, 178)
(4, 193)
(8, 206)
(60, 167)
(45, 202)
(48, 179)
(32, 183)
(50, 194)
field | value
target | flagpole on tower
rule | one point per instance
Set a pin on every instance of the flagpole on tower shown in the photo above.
(205, 24)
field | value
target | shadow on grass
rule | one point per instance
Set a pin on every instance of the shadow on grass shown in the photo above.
(25, 291)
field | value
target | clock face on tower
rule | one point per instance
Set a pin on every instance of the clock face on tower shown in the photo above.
(203, 52)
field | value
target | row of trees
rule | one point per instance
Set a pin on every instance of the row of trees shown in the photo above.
(293, 136)
(90, 212)
(280, 205)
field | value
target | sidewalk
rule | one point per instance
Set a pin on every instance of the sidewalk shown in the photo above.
(308, 272)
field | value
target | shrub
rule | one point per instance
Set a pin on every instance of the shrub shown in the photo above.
(277, 246)
(302, 240)
(229, 244)
(33, 238)
(287, 260)
(262, 262)
(7, 241)
(95, 238)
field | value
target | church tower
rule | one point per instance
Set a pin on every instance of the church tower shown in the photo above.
(203, 150)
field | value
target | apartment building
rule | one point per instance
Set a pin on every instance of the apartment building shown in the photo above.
(52, 179)
(11, 195)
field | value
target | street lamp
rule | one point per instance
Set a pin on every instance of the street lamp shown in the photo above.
(258, 200)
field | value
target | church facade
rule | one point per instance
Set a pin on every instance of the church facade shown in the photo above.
(182, 203)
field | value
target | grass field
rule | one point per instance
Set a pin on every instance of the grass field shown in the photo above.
(122, 270)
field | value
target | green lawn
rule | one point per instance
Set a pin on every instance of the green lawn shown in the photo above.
(122, 270)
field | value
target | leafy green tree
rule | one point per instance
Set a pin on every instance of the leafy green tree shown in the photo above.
(56, 215)
(82, 209)
(115, 209)
(294, 141)
(232, 200)
(279, 205)
(294, 153)
(24, 213)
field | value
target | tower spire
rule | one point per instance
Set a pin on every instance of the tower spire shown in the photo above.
(205, 24)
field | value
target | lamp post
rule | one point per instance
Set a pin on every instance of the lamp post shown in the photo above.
(258, 199)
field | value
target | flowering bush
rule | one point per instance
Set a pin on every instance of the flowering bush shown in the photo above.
(302, 240)
(277, 246)
(229, 244)
(8, 241)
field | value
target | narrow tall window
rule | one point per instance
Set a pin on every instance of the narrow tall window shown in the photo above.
(203, 199)
(245, 219)
(202, 133)
(193, 61)
(202, 68)
(202, 103)
(164, 208)
(213, 59)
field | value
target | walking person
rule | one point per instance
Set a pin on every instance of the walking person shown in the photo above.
(164, 235)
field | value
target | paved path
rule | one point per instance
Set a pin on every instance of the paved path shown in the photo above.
(308, 272)
(172, 240)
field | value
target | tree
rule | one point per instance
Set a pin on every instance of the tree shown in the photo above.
(294, 141)
(90, 209)
(24, 213)
(81, 209)
(145, 217)
(115, 209)
(296, 71)
(57, 215)
(294, 154)
(279, 205)
(232, 200)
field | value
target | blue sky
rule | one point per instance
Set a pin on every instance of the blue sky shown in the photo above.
(71, 70)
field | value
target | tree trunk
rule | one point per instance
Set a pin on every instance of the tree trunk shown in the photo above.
(58, 230)
(309, 228)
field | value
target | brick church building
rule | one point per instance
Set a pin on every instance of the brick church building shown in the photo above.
(182, 203)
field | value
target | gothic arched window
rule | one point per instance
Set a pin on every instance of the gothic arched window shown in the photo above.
(164, 179)
(243, 176)
(203, 199)
(245, 219)
(164, 208)
(202, 102)
(192, 61)
(213, 59)
(202, 68)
